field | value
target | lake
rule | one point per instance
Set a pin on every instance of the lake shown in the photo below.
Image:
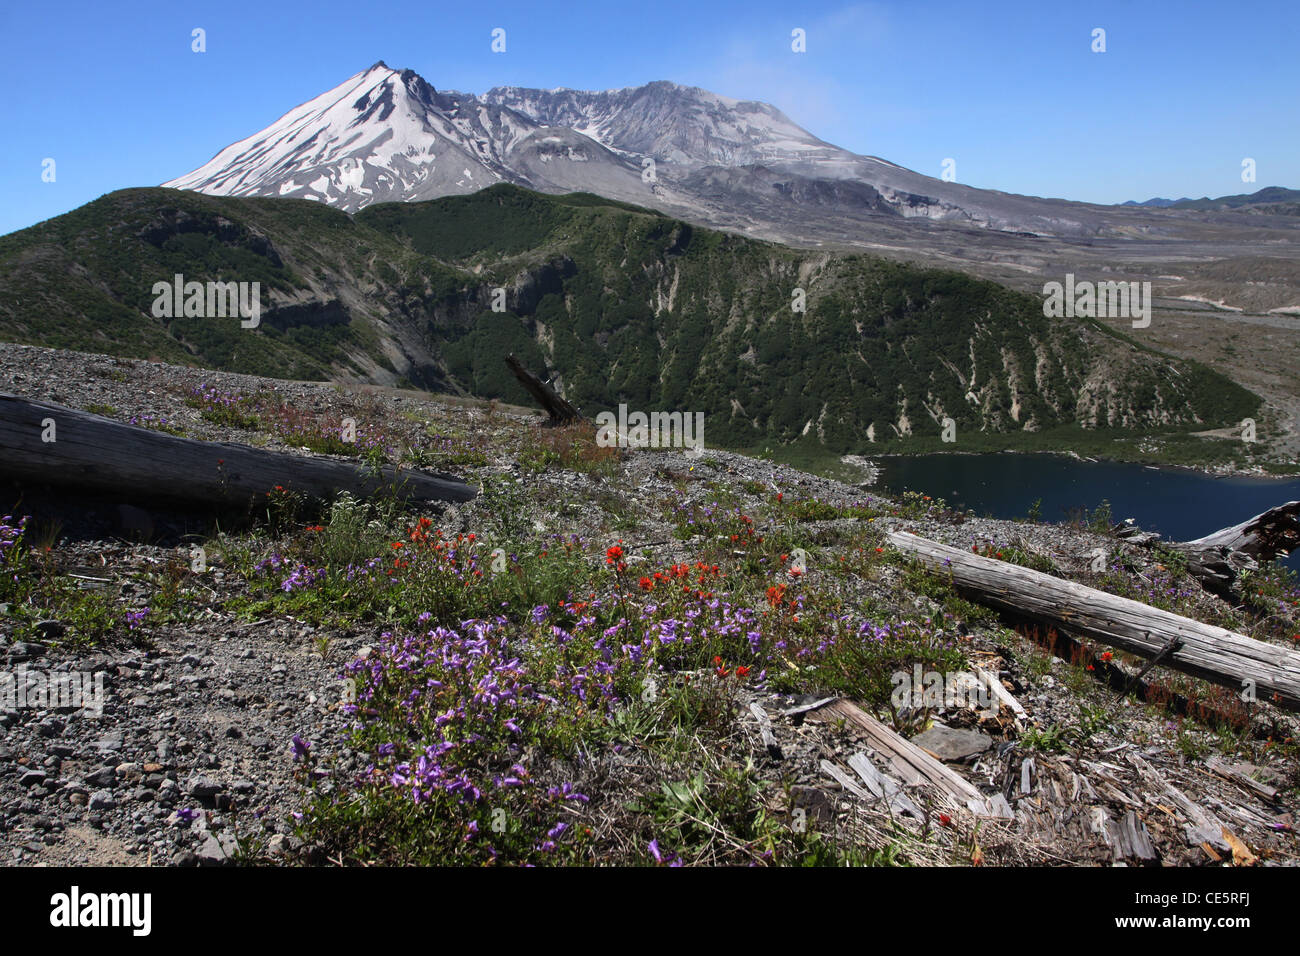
(1178, 503)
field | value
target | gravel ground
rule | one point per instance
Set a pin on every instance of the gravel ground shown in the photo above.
(198, 720)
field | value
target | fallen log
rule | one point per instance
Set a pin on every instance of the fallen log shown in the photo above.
(1265, 537)
(1202, 650)
(561, 412)
(1217, 559)
(51, 444)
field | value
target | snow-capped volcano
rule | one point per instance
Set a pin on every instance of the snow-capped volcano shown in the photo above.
(380, 135)
(388, 135)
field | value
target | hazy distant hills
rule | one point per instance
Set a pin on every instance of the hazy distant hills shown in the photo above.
(1268, 196)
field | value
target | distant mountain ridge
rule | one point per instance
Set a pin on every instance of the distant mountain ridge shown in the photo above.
(1269, 194)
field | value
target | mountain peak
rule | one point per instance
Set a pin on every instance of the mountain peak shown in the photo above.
(389, 136)
(386, 134)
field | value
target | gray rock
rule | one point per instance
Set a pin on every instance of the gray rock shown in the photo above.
(103, 777)
(217, 850)
(949, 744)
(102, 800)
(32, 777)
(202, 786)
(110, 741)
(51, 727)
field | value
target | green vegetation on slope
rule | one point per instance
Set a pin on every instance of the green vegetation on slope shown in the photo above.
(617, 304)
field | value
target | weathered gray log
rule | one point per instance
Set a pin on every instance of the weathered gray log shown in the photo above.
(1218, 559)
(1265, 537)
(1212, 653)
(96, 453)
(561, 412)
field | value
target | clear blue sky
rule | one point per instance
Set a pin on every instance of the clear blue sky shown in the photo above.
(1012, 91)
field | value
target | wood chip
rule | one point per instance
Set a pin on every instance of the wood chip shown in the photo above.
(883, 787)
(907, 760)
(1243, 780)
(1203, 826)
(1241, 855)
(844, 780)
(765, 731)
(806, 708)
(1000, 692)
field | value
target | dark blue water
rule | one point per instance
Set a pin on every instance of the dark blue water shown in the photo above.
(1179, 504)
